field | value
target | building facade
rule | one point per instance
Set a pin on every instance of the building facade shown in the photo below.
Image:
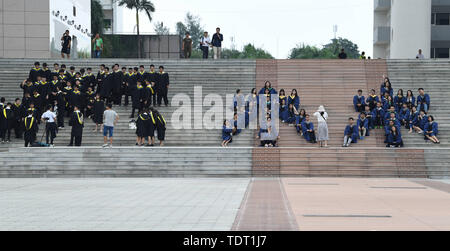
(402, 27)
(33, 28)
(114, 15)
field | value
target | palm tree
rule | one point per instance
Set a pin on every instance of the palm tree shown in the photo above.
(139, 5)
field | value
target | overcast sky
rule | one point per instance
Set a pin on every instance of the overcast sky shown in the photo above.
(277, 26)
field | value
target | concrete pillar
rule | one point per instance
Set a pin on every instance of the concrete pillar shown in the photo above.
(411, 28)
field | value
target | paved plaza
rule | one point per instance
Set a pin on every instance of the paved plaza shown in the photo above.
(224, 204)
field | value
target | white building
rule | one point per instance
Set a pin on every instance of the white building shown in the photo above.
(33, 28)
(402, 27)
(114, 17)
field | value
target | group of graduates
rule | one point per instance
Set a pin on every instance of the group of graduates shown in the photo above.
(391, 113)
(150, 120)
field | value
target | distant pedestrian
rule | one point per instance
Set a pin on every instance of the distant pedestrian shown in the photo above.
(110, 119)
(342, 55)
(66, 42)
(98, 46)
(322, 118)
(363, 55)
(217, 44)
(205, 43)
(187, 46)
(420, 55)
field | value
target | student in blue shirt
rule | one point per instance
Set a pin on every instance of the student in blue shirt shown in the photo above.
(410, 99)
(372, 100)
(431, 130)
(413, 119)
(359, 102)
(399, 100)
(378, 116)
(403, 116)
(394, 138)
(386, 87)
(299, 120)
(268, 86)
(350, 133)
(226, 133)
(363, 126)
(294, 99)
(284, 111)
(423, 101)
(308, 130)
(282, 97)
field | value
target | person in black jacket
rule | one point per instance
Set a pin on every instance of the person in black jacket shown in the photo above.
(160, 127)
(35, 72)
(6, 123)
(31, 129)
(138, 99)
(62, 107)
(162, 86)
(98, 110)
(77, 123)
(152, 76)
(117, 81)
(19, 114)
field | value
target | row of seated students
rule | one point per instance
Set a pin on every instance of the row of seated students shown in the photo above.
(72, 88)
(387, 112)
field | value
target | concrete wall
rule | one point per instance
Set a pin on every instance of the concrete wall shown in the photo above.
(24, 29)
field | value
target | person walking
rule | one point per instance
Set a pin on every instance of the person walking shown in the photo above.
(110, 119)
(66, 42)
(187, 46)
(217, 44)
(98, 45)
(322, 132)
(205, 43)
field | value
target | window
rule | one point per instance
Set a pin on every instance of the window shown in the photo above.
(433, 18)
(442, 53)
(74, 11)
(107, 23)
(442, 19)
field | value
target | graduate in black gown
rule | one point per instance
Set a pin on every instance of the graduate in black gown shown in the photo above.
(98, 110)
(160, 127)
(162, 86)
(31, 129)
(19, 113)
(77, 123)
(142, 128)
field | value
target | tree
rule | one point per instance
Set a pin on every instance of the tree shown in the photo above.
(160, 29)
(97, 17)
(139, 5)
(249, 52)
(329, 51)
(341, 43)
(192, 24)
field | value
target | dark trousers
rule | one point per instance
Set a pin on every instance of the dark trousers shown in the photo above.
(30, 138)
(205, 50)
(162, 94)
(76, 138)
(18, 129)
(60, 117)
(187, 53)
(50, 132)
(361, 108)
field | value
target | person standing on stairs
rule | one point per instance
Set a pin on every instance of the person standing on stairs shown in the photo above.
(162, 86)
(322, 130)
(49, 118)
(110, 119)
(77, 123)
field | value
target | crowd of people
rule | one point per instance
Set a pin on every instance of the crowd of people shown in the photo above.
(391, 113)
(289, 113)
(205, 44)
(50, 96)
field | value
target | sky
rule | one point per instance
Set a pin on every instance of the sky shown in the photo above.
(276, 26)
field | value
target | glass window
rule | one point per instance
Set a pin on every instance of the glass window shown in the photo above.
(74, 11)
(433, 18)
(442, 19)
(442, 53)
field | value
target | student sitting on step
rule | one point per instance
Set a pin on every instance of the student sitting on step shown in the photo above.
(410, 99)
(351, 133)
(234, 123)
(403, 116)
(363, 126)
(282, 97)
(388, 102)
(422, 121)
(413, 119)
(269, 138)
(399, 100)
(308, 130)
(268, 87)
(392, 117)
(292, 112)
(378, 116)
(388, 112)
(388, 128)
(284, 111)
(386, 87)
(423, 101)
(359, 102)
(227, 131)
(294, 99)
(431, 130)
(299, 120)
(372, 100)
(394, 138)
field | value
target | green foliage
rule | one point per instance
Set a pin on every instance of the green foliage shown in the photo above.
(139, 5)
(192, 24)
(329, 51)
(160, 29)
(97, 17)
(116, 46)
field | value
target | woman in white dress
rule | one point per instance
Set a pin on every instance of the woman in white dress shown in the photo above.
(322, 131)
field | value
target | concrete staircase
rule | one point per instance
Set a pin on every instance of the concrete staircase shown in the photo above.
(125, 162)
(433, 76)
(215, 77)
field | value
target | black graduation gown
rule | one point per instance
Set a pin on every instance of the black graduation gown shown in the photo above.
(162, 82)
(6, 118)
(161, 127)
(98, 110)
(77, 127)
(34, 73)
(47, 74)
(19, 112)
(107, 84)
(77, 99)
(28, 89)
(31, 129)
(117, 81)
(138, 95)
(143, 125)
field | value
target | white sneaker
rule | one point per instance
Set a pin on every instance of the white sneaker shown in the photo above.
(105, 145)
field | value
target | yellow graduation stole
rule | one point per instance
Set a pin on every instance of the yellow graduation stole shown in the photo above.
(31, 124)
(282, 97)
(36, 69)
(153, 119)
(292, 97)
(163, 120)
(149, 86)
(76, 92)
(55, 82)
(140, 116)
(80, 119)
(4, 113)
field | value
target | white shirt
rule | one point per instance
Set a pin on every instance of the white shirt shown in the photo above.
(205, 41)
(321, 119)
(50, 116)
(420, 56)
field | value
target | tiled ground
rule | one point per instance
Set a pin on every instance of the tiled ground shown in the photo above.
(224, 204)
(120, 204)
